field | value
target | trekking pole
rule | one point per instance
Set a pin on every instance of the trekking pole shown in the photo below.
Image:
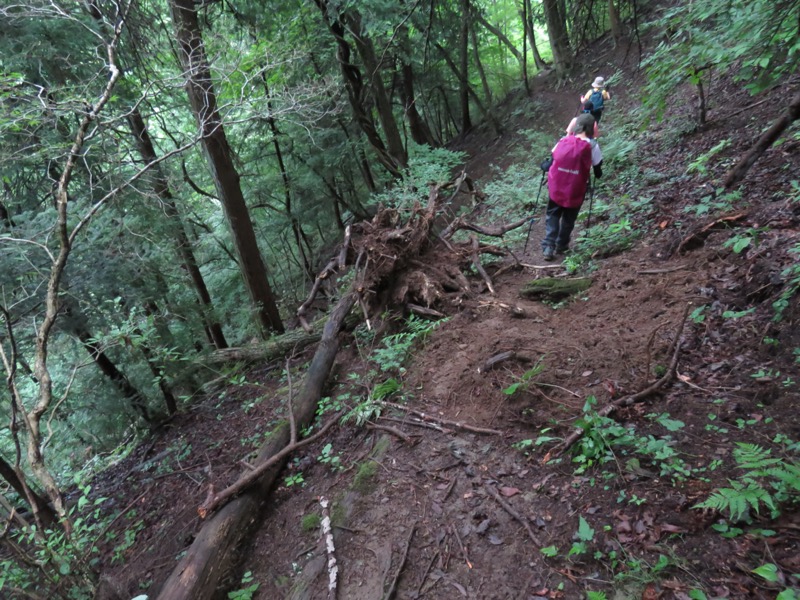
(591, 199)
(533, 218)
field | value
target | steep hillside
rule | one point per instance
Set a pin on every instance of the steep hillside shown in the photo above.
(464, 486)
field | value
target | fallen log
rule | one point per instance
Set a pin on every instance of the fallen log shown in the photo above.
(211, 555)
(554, 288)
(382, 249)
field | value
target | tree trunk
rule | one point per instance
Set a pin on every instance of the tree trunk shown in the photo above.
(120, 381)
(297, 229)
(463, 68)
(203, 99)
(476, 56)
(420, 132)
(162, 190)
(737, 173)
(383, 104)
(487, 113)
(354, 85)
(557, 32)
(500, 36)
(211, 555)
(614, 22)
(42, 511)
(530, 33)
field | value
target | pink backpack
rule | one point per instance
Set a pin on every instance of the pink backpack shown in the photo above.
(569, 174)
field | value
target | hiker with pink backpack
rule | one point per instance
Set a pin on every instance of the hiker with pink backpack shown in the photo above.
(573, 159)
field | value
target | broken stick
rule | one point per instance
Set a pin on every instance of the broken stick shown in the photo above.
(510, 510)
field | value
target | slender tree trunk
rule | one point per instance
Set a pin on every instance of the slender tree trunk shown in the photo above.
(182, 243)
(463, 68)
(790, 115)
(524, 15)
(420, 132)
(137, 401)
(366, 50)
(557, 31)
(354, 85)
(487, 113)
(297, 229)
(487, 91)
(202, 97)
(530, 33)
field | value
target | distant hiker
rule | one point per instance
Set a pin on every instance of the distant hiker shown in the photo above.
(597, 96)
(574, 157)
(587, 108)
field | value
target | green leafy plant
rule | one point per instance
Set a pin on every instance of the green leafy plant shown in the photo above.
(328, 457)
(767, 481)
(396, 348)
(583, 537)
(700, 164)
(525, 380)
(247, 592)
(294, 479)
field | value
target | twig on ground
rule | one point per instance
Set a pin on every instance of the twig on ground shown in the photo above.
(390, 592)
(393, 430)
(427, 571)
(479, 267)
(661, 271)
(417, 423)
(510, 510)
(461, 545)
(457, 424)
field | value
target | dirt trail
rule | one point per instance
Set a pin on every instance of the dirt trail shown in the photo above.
(427, 509)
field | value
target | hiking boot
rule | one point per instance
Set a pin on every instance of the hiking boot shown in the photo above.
(562, 250)
(548, 253)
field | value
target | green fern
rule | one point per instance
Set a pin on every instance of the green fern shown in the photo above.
(738, 499)
(767, 481)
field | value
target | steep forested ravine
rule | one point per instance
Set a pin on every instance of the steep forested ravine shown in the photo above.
(465, 419)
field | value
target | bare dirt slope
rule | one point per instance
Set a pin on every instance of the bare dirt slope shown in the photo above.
(465, 504)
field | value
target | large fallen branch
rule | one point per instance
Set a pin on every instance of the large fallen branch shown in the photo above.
(208, 559)
(382, 248)
(738, 172)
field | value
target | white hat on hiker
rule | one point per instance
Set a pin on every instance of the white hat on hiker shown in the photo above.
(598, 82)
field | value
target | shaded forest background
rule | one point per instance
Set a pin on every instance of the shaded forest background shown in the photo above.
(176, 174)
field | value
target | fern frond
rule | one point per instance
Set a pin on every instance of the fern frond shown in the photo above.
(738, 500)
(754, 457)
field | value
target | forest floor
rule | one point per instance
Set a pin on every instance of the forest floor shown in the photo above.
(456, 513)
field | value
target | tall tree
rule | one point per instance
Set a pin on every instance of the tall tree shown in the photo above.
(200, 89)
(162, 191)
(557, 32)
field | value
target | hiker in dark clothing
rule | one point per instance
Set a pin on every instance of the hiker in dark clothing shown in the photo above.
(574, 157)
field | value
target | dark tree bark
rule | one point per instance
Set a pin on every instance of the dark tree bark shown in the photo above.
(463, 68)
(383, 104)
(531, 35)
(211, 554)
(189, 262)
(136, 399)
(557, 32)
(44, 514)
(420, 132)
(202, 97)
(476, 56)
(297, 229)
(487, 113)
(356, 91)
(791, 114)
(614, 22)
